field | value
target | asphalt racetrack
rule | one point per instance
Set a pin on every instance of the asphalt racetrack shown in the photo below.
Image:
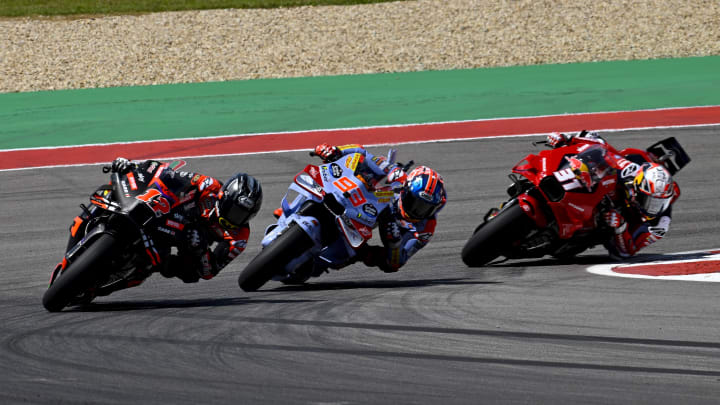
(532, 331)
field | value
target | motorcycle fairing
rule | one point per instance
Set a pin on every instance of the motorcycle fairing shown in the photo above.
(573, 207)
(75, 249)
(355, 209)
(309, 179)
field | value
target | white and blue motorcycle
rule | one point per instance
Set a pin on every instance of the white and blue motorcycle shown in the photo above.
(328, 215)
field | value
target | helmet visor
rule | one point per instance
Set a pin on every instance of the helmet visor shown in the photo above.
(236, 215)
(653, 205)
(417, 208)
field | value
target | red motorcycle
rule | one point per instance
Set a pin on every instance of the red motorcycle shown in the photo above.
(557, 198)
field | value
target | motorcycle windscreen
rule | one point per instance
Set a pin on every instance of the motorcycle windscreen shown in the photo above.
(305, 181)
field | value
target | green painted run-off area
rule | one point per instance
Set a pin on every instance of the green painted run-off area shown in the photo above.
(89, 116)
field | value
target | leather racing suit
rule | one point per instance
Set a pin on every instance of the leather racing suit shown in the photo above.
(401, 238)
(639, 231)
(190, 225)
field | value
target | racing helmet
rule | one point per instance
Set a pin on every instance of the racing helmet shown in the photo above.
(652, 189)
(590, 166)
(240, 199)
(422, 195)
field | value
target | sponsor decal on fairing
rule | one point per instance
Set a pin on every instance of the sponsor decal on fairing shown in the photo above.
(337, 171)
(165, 230)
(352, 161)
(131, 180)
(173, 224)
(370, 210)
(124, 186)
(630, 170)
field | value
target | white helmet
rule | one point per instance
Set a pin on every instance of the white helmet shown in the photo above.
(653, 189)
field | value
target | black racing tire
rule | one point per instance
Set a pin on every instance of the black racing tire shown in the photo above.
(301, 274)
(494, 236)
(273, 258)
(80, 274)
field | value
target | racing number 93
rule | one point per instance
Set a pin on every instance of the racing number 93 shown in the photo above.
(355, 195)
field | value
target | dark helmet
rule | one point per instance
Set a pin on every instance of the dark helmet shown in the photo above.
(240, 199)
(422, 195)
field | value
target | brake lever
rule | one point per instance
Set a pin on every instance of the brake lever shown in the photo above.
(407, 166)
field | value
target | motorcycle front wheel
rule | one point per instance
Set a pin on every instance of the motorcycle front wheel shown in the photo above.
(80, 274)
(274, 257)
(494, 237)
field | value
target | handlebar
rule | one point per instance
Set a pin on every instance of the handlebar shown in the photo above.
(579, 135)
(406, 167)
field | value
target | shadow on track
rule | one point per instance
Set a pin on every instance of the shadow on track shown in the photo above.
(126, 305)
(551, 261)
(598, 259)
(350, 285)
(176, 303)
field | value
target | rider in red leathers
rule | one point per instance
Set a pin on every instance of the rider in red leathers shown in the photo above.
(409, 223)
(643, 200)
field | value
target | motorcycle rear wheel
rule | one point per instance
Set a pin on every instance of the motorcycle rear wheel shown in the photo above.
(494, 236)
(274, 257)
(80, 274)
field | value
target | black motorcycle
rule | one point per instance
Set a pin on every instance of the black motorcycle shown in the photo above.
(121, 238)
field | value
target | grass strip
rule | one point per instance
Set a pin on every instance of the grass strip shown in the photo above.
(24, 8)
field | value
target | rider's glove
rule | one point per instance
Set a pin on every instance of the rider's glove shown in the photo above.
(397, 176)
(393, 234)
(556, 139)
(121, 165)
(376, 256)
(190, 268)
(195, 241)
(615, 220)
(327, 152)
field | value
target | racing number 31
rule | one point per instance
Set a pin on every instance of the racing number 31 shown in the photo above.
(355, 195)
(567, 178)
